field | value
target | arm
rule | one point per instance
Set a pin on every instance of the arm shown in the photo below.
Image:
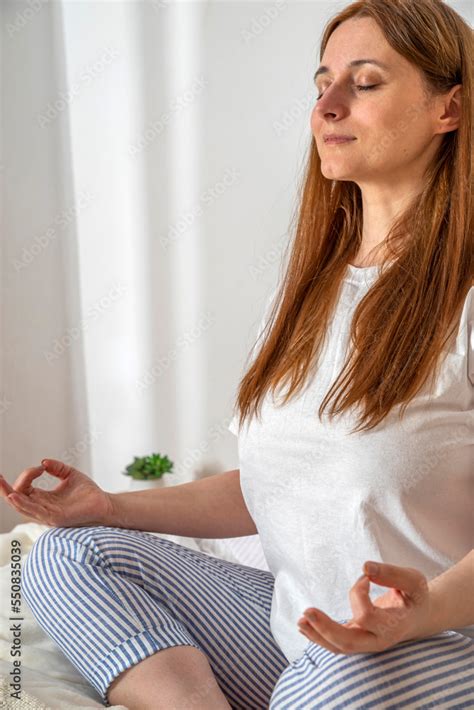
(452, 596)
(212, 507)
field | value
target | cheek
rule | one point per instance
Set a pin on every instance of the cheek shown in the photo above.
(398, 127)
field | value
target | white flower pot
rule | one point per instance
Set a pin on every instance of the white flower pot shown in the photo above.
(136, 484)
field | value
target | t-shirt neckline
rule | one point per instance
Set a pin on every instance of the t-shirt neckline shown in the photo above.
(360, 274)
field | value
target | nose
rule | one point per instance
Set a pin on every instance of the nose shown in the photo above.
(332, 103)
(329, 100)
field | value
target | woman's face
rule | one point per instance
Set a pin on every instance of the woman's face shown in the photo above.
(394, 125)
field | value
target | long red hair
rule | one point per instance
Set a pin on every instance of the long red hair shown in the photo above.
(401, 326)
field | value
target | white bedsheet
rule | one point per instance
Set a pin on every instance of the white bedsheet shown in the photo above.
(48, 679)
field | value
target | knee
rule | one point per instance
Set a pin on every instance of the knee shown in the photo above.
(38, 573)
(32, 574)
(39, 553)
(45, 546)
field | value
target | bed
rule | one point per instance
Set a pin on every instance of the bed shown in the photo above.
(48, 680)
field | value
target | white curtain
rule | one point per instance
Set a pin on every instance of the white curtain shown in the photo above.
(147, 191)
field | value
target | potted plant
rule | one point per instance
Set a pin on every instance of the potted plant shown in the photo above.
(148, 471)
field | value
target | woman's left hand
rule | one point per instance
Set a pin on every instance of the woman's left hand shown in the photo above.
(401, 614)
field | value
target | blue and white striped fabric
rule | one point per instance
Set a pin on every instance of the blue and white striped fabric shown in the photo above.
(110, 597)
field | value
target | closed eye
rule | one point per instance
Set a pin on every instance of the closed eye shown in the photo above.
(360, 88)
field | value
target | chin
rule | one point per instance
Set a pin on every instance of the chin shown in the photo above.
(336, 173)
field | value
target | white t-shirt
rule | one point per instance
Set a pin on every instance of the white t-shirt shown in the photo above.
(324, 500)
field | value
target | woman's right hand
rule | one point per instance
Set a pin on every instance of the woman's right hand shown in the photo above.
(75, 502)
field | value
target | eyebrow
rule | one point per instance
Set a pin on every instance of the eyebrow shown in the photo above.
(355, 63)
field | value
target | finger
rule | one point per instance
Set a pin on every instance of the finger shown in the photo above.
(406, 579)
(348, 640)
(25, 505)
(5, 487)
(22, 506)
(25, 479)
(57, 468)
(14, 500)
(361, 602)
(311, 634)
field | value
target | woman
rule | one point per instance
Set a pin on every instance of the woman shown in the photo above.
(377, 298)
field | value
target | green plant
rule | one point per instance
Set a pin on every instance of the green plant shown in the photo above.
(149, 467)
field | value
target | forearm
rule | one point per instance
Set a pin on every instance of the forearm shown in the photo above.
(212, 507)
(452, 596)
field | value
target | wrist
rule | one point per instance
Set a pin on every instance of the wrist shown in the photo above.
(112, 510)
(426, 615)
(434, 621)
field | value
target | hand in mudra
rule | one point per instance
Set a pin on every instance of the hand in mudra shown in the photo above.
(403, 613)
(75, 502)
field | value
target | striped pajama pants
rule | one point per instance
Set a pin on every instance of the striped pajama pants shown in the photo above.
(110, 597)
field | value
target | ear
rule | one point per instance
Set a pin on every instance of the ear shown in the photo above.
(449, 108)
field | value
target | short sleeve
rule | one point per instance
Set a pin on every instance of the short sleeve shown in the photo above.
(470, 351)
(234, 423)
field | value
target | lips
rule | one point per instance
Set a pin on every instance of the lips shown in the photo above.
(338, 139)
